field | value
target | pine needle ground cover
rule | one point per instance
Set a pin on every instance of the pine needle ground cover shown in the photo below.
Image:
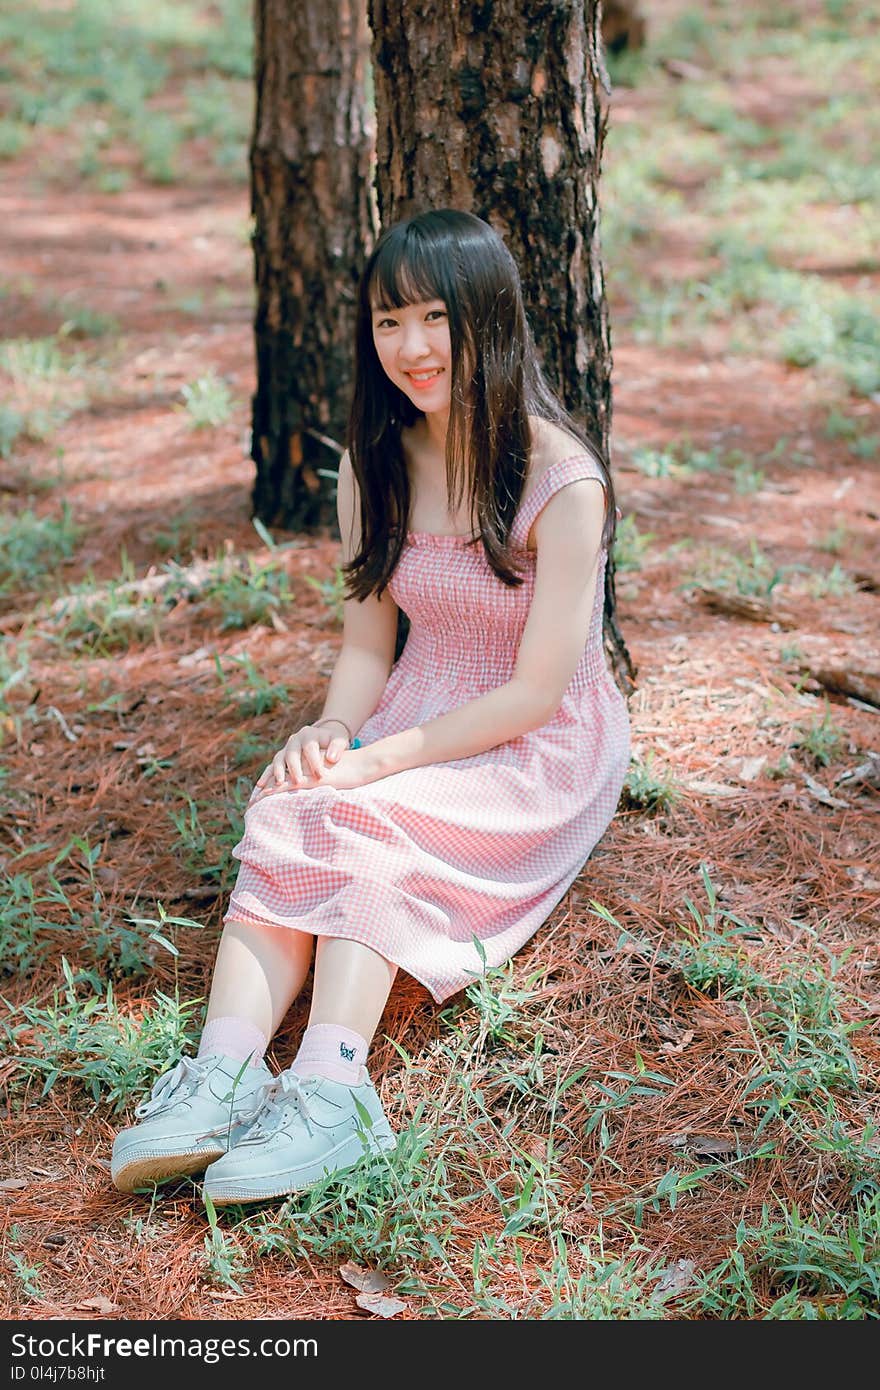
(666, 1107)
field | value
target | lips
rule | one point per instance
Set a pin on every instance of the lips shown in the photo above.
(421, 382)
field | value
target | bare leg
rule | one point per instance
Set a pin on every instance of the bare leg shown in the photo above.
(351, 986)
(258, 973)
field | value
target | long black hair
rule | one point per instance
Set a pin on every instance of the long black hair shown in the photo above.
(496, 384)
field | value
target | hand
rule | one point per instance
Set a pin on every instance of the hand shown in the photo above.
(355, 767)
(304, 757)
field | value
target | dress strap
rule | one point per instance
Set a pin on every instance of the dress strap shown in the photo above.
(557, 475)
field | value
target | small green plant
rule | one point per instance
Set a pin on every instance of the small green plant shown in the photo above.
(244, 597)
(208, 401)
(630, 545)
(178, 539)
(711, 112)
(498, 1001)
(82, 1036)
(820, 741)
(647, 788)
(746, 477)
(658, 463)
(26, 1274)
(105, 938)
(82, 322)
(14, 135)
(804, 1053)
(105, 619)
(840, 426)
(778, 770)
(866, 447)
(835, 539)
(26, 932)
(258, 696)
(12, 427)
(833, 583)
(32, 546)
(226, 1261)
(331, 590)
(827, 1266)
(14, 668)
(248, 749)
(158, 138)
(36, 358)
(207, 833)
(751, 575)
(713, 953)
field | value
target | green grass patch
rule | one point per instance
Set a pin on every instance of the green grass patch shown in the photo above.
(32, 547)
(208, 401)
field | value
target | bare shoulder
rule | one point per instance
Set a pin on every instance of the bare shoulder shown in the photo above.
(550, 444)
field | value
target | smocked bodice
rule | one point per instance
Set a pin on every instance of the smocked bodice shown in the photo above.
(465, 623)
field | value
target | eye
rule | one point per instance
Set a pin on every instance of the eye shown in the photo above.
(385, 323)
(436, 314)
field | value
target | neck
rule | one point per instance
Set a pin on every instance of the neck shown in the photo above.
(436, 426)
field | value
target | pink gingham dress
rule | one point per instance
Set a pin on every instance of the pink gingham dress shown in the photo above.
(418, 864)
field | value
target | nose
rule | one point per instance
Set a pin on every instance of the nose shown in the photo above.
(413, 345)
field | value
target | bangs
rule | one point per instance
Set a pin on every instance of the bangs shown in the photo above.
(405, 272)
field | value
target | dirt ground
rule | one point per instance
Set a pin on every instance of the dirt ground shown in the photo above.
(718, 705)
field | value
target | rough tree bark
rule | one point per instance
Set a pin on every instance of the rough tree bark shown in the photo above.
(314, 225)
(495, 106)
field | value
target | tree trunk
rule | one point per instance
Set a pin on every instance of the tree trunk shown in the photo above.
(314, 226)
(494, 107)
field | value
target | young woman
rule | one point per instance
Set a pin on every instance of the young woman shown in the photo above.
(489, 758)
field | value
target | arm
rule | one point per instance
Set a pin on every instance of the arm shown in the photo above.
(369, 627)
(568, 533)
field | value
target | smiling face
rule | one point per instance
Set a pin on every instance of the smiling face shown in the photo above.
(414, 349)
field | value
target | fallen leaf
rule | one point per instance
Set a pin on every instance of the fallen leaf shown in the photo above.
(676, 1049)
(711, 788)
(380, 1305)
(98, 1305)
(820, 793)
(863, 878)
(12, 1184)
(868, 771)
(705, 1146)
(751, 767)
(676, 1278)
(369, 1281)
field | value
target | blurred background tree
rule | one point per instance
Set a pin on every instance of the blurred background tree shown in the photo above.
(313, 225)
(499, 110)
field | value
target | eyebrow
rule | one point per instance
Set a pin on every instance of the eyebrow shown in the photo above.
(396, 308)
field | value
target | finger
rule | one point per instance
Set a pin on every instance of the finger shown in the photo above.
(335, 748)
(311, 760)
(279, 767)
(293, 764)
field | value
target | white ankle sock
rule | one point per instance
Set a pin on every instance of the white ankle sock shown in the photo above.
(233, 1037)
(328, 1049)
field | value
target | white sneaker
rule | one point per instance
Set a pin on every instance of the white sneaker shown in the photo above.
(192, 1116)
(305, 1129)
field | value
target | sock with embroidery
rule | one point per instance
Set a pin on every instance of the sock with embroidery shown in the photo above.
(328, 1049)
(235, 1038)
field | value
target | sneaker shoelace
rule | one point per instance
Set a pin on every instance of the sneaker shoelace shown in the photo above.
(271, 1102)
(185, 1077)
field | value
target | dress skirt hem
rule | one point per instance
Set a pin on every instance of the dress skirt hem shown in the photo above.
(344, 932)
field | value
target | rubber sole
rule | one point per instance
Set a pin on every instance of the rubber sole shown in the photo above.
(228, 1192)
(155, 1167)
